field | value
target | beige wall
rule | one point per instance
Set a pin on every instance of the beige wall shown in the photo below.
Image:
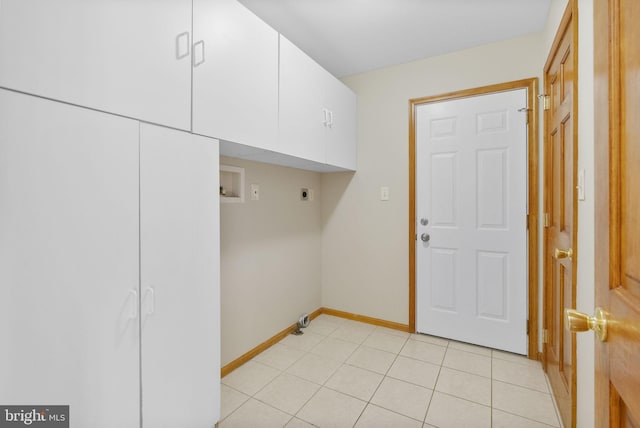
(586, 215)
(270, 256)
(365, 240)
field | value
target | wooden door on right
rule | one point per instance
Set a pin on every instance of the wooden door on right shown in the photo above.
(617, 226)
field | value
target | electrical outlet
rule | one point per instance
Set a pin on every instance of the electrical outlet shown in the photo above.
(255, 192)
(304, 194)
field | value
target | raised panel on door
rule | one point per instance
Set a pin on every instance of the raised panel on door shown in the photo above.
(131, 58)
(180, 308)
(69, 261)
(440, 261)
(341, 133)
(302, 115)
(235, 89)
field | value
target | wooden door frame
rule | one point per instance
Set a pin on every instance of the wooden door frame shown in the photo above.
(531, 85)
(570, 17)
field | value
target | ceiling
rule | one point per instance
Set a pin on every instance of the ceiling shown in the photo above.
(353, 36)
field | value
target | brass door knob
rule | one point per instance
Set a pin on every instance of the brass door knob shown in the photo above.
(577, 321)
(563, 254)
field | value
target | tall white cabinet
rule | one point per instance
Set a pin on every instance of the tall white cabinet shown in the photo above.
(180, 252)
(69, 260)
(109, 267)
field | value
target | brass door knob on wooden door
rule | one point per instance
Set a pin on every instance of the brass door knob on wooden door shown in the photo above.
(563, 254)
(578, 321)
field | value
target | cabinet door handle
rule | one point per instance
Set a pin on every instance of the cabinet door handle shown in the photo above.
(134, 304)
(330, 124)
(152, 306)
(197, 62)
(325, 122)
(182, 45)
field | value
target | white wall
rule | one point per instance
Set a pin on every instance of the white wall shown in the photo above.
(365, 241)
(270, 256)
(586, 215)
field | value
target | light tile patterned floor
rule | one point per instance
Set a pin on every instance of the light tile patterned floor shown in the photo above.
(343, 373)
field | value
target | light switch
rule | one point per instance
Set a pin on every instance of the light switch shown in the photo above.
(384, 193)
(255, 192)
(580, 185)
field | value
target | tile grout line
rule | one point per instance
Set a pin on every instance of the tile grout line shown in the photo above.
(435, 384)
(368, 402)
(527, 418)
(491, 392)
(295, 416)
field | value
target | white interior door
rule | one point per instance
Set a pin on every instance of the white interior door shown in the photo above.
(180, 309)
(471, 202)
(69, 261)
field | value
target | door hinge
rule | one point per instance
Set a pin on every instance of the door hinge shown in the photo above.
(546, 101)
(527, 327)
(545, 336)
(416, 237)
(527, 221)
(547, 220)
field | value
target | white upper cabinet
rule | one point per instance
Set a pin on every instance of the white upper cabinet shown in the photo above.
(302, 113)
(132, 58)
(207, 66)
(235, 84)
(317, 111)
(340, 102)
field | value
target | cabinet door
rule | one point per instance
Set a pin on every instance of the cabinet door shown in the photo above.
(69, 260)
(302, 113)
(126, 57)
(235, 89)
(180, 309)
(341, 133)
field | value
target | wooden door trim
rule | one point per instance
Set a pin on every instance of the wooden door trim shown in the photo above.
(569, 18)
(531, 85)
